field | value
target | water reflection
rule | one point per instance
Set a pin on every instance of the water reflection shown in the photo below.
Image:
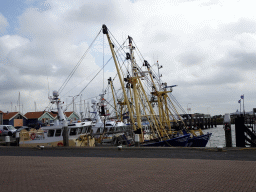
(218, 136)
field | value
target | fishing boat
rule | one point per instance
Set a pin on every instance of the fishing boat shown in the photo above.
(108, 131)
(79, 134)
(198, 138)
(143, 97)
(135, 99)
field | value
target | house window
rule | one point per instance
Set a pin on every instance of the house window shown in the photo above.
(58, 133)
(50, 133)
(45, 120)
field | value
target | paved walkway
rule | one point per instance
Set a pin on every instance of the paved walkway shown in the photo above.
(44, 172)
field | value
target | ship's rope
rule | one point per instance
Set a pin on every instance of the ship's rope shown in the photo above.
(94, 76)
(77, 65)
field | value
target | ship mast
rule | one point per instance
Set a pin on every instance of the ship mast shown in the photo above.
(55, 99)
(105, 31)
(111, 84)
(133, 80)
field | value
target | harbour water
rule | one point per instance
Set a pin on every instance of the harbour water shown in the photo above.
(218, 136)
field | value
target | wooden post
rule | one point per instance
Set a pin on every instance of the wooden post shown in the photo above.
(65, 135)
(227, 129)
(240, 137)
(228, 135)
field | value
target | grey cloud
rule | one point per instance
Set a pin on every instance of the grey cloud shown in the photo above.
(240, 59)
(12, 80)
(190, 59)
(222, 78)
(95, 13)
(226, 76)
(161, 37)
(241, 26)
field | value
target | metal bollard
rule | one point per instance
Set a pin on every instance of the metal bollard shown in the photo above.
(17, 136)
(119, 147)
(7, 140)
(137, 140)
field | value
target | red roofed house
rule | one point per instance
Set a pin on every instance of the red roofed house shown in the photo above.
(54, 114)
(14, 118)
(38, 118)
(73, 116)
(1, 118)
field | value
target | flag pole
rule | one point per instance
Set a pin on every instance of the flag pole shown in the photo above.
(239, 101)
(240, 106)
(243, 105)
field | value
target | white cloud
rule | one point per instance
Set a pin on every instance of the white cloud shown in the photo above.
(3, 24)
(206, 47)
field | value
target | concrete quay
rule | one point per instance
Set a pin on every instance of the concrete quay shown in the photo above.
(129, 169)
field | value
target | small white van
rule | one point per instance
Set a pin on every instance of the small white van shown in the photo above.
(7, 130)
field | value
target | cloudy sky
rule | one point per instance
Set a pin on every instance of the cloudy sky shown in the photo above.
(206, 47)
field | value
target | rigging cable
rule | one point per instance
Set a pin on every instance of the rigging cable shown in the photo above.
(97, 73)
(77, 65)
(103, 62)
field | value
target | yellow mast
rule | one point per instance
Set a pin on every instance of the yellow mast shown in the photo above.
(133, 81)
(111, 84)
(161, 100)
(105, 31)
(160, 128)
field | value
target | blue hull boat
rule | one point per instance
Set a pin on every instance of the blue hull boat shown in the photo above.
(199, 141)
(180, 141)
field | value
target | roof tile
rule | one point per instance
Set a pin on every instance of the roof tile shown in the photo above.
(7, 116)
(34, 115)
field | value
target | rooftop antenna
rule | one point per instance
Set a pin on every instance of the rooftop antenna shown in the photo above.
(19, 101)
(35, 106)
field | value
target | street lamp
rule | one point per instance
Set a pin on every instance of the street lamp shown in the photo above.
(189, 109)
(73, 100)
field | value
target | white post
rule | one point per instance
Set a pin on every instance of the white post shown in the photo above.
(137, 140)
(7, 140)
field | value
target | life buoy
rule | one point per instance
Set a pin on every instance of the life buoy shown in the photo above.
(60, 144)
(32, 136)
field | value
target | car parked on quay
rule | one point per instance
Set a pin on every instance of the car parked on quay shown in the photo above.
(7, 130)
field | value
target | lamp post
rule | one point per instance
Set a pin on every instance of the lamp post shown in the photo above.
(73, 100)
(188, 109)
